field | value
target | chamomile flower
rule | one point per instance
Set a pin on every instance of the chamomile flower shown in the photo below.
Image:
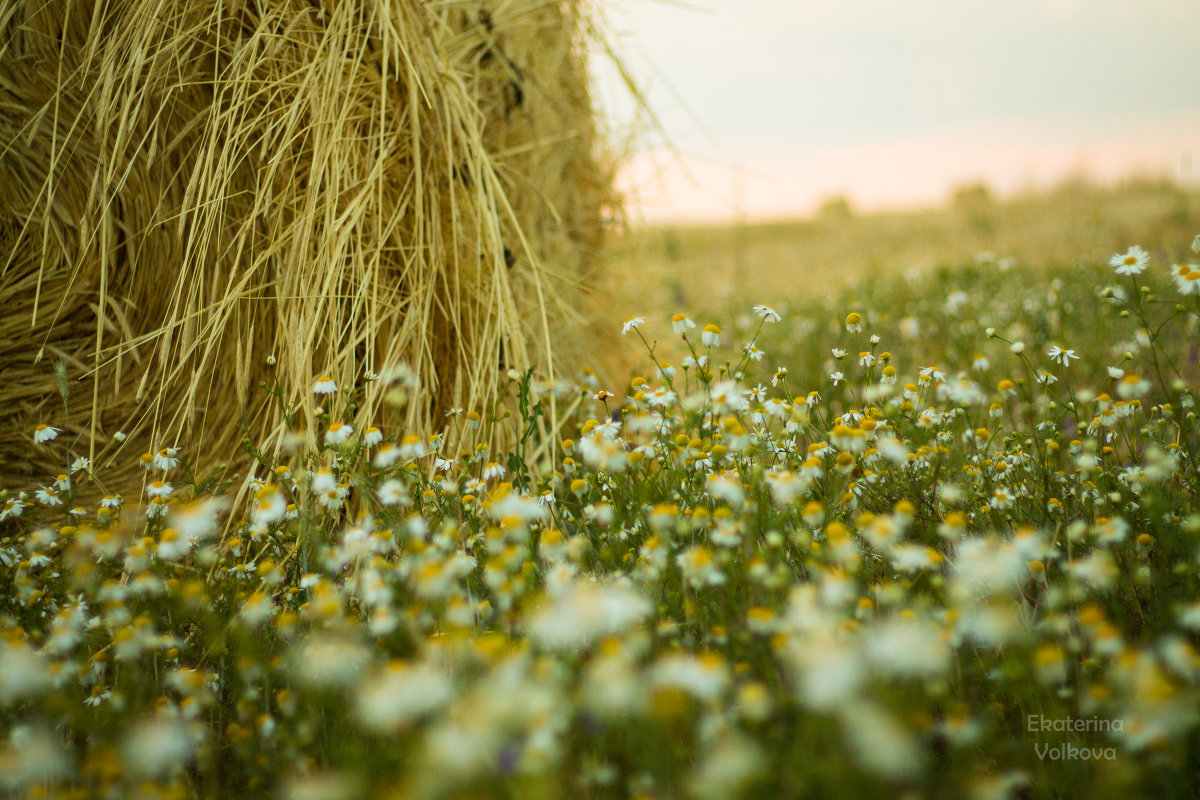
(767, 314)
(159, 488)
(680, 323)
(1132, 385)
(752, 352)
(12, 508)
(1187, 278)
(391, 493)
(325, 385)
(631, 324)
(338, 432)
(933, 373)
(1060, 355)
(372, 436)
(386, 455)
(45, 433)
(166, 458)
(854, 322)
(710, 336)
(1132, 262)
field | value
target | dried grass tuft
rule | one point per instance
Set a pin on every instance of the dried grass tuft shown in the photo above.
(189, 187)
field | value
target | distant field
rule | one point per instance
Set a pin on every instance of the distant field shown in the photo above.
(702, 267)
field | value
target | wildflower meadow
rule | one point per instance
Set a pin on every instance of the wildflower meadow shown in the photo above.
(932, 536)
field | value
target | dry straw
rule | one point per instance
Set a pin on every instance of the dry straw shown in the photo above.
(189, 187)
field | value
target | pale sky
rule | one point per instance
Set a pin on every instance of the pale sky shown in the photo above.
(776, 105)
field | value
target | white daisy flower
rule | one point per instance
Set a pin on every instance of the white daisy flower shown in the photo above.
(1132, 262)
(45, 433)
(325, 385)
(680, 323)
(631, 324)
(165, 459)
(159, 489)
(767, 313)
(338, 432)
(1061, 356)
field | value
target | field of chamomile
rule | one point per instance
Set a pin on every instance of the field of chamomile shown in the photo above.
(921, 535)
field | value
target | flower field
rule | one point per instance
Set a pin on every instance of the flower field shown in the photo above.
(935, 537)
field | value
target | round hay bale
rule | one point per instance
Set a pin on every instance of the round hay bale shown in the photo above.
(188, 188)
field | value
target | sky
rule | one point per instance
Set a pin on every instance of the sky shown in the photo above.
(767, 107)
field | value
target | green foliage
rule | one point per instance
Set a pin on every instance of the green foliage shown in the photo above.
(936, 538)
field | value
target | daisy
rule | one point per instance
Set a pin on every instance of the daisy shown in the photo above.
(338, 432)
(324, 385)
(1187, 278)
(391, 492)
(411, 446)
(711, 335)
(1132, 262)
(159, 489)
(753, 352)
(1061, 356)
(165, 459)
(82, 463)
(680, 323)
(836, 377)
(372, 436)
(47, 496)
(45, 433)
(767, 313)
(838, 353)
(13, 508)
(1132, 385)
(934, 373)
(631, 324)
(854, 322)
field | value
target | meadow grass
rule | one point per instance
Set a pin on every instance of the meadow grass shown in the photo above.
(706, 267)
(930, 534)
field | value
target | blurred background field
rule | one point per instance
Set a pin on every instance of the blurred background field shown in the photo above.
(705, 267)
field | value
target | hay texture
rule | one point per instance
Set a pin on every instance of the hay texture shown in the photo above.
(187, 188)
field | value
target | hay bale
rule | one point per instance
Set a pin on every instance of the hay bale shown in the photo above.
(189, 187)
